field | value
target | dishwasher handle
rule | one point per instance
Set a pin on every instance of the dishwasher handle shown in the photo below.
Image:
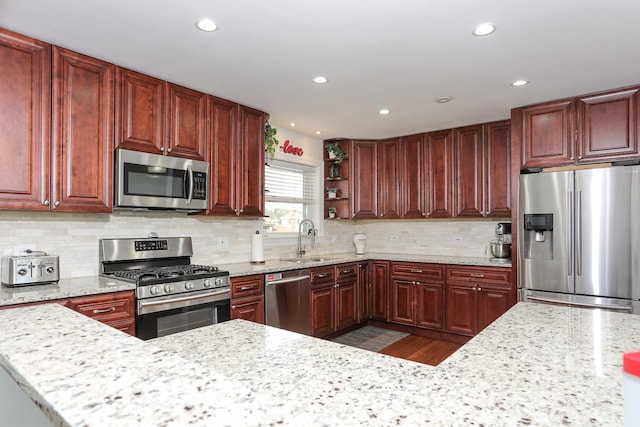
(288, 280)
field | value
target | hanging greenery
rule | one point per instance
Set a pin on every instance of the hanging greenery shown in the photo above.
(270, 141)
(334, 148)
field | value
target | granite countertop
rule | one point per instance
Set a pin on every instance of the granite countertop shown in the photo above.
(93, 285)
(536, 365)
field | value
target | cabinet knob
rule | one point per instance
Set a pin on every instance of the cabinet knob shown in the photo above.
(479, 288)
(162, 149)
(337, 286)
(571, 158)
(381, 215)
(56, 203)
(233, 307)
(46, 203)
(169, 150)
(241, 210)
(424, 214)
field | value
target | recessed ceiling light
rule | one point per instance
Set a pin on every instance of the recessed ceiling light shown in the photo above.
(484, 29)
(318, 132)
(292, 124)
(206, 24)
(320, 80)
(520, 83)
(443, 99)
(384, 112)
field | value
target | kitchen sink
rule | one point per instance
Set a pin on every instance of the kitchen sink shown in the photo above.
(309, 259)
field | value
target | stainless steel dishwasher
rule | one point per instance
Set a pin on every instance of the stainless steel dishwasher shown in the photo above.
(287, 304)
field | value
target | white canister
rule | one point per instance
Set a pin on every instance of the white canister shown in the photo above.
(360, 242)
(631, 388)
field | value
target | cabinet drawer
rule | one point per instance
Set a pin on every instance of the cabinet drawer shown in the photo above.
(247, 286)
(494, 276)
(105, 308)
(344, 271)
(434, 272)
(320, 275)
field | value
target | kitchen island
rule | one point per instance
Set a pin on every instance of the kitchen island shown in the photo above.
(536, 365)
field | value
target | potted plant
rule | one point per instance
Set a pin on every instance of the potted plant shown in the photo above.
(332, 193)
(336, 153)
(332, 212)
(270, 141)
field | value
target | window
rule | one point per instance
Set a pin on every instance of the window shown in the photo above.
(290, 196)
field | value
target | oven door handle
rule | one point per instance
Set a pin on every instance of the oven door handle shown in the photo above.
(155, 305)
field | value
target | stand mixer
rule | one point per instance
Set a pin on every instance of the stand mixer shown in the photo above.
(501, 247)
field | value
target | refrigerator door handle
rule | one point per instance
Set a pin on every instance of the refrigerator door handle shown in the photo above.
(579, 304)
(579, 234)
(570, 233)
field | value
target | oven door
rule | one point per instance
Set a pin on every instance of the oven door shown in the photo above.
(158, 317)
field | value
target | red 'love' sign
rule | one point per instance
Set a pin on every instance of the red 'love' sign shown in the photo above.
(290, 149)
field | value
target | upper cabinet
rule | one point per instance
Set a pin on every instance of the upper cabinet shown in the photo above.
(439, 167)
(223, 138)
(589, 129)
(57, 155)
(158, 117)
(390, 178)
(413, 184)
(251, 163)
(364, 179)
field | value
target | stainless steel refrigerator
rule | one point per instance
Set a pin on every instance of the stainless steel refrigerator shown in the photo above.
(579, 237)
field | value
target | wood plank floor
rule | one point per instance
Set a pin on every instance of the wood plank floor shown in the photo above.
(422, 350)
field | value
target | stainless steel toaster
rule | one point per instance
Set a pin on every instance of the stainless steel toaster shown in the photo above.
(30, 270)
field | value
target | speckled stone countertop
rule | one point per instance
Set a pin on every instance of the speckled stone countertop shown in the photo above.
(270, 266)
(65, 288)
(536, 365)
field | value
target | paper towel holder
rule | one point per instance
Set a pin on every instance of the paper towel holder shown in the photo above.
(257, 248)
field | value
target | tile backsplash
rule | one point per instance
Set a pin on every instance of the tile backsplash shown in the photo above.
(74, 237)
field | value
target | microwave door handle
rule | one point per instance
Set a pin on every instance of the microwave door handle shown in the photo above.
(189, 180)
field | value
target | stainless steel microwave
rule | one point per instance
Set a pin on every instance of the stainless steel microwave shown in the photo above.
(151, 181)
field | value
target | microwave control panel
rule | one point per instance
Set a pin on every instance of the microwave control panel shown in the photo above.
(199, 185)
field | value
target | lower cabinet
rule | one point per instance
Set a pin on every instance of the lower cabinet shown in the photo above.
(247, 298)
(417, 295)
(475, 297)
(334, 302)
(379, 290)
(364, 292)
(114, 309)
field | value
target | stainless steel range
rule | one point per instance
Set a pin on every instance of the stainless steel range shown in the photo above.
(172, 295)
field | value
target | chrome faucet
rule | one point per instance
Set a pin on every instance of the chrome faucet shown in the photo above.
(311, 233)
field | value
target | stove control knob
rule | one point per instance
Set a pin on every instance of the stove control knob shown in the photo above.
(154, 290)
(188, 285)
(207, 283)
(50, 269)
(168, 288)
(219, 281)
(22, 271)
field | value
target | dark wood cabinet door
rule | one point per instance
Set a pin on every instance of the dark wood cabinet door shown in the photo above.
(497, 153)
(547, 132)
(346, 303)
(251, 181)
(379, 285)
(140, 112)
(390, 173)
(223, 138)
(322, 311)
(25, 122)
(82, 148)
(429, 305)
(608, 126)
(439, 166)
(186, 122)
(115, 309)
(364, 179)
(414, 188)
(492, 303)
(364, 292)
(469, 171)
(460, 314)
(251, 309)
(402, 301)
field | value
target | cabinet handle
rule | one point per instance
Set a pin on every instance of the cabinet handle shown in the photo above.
(245, 288)
(347, 271)
(106, 310)
(46, 203)
(416, 271)
(337, 286)
(320, 276)
(480, 275)
(233, 307)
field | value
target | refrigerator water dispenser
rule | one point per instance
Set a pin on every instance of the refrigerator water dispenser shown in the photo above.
(538, 236)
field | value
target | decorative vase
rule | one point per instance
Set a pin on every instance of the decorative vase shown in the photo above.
(334, 170)
(331, 194)
(332, 155)
(360, 242)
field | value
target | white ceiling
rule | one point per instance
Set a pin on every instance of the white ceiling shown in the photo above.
(398, 54)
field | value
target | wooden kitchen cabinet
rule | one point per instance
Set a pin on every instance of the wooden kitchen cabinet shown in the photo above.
(417, 294)
(341, 202)
(379, 289)
(55, 128)
(475, 297)
(390, 178)
(364, 180)
(414, 177)
(334, 302)
(250, 174)
(364, 292)
(159, 117)
(439, 168)
(482, 161)
(247, 298)
(115, 309)
(25, 122)
(223, 126)
(602, 127)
